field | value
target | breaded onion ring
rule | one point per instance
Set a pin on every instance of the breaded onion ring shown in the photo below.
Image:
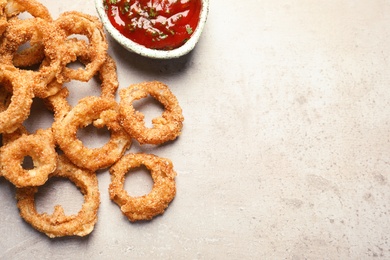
(89, 109)
(165, 128)
(40, 147)
(34, 54)
(35, 8)
(20, 102)
(36, 30)
(150, 205)
(94, 55)
(58, 224)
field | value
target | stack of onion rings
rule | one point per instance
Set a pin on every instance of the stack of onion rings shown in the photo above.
(41, 71)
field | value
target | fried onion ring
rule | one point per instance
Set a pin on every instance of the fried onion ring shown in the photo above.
(94, 55)
(20, 102)
(148, 206)
(89, 109)
(58, 224)
(34, 54)
(35, 8)
(36, 30)
(40, 147)
(165, 128)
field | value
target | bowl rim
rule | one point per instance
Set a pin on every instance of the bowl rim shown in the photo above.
(151, 53)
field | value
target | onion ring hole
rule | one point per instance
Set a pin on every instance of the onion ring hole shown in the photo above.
(138, 182)
(150, 108)
(78, 89)
(36, 59)
(40, 117)
(28, 163)
(93, 137)
(58, 191)
(77, 64)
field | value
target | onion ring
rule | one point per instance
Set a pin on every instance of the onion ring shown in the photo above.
(35, 8)
(40, 147)
(34, 54)
(89, 109)
(90, 26)
(148, 206)
(20, 103)
(58, 224)
(37, 30)
(165, 128)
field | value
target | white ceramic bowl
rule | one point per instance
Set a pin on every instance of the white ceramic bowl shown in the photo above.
(144, 51)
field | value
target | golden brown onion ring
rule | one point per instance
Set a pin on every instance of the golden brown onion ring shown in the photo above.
(35, 8)
(58, 224)
(150, 205)
(40, 147)
(36, 30)
(165, 128)
(20, 102)
(34, 54)
(87, 111)
(77, 23)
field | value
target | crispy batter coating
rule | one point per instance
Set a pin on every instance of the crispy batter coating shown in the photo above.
(83, 114)
(148, 206)
(58, 224)
(165, 128)
(40, 147)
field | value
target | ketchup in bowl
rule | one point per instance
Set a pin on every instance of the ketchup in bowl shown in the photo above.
(155, 24)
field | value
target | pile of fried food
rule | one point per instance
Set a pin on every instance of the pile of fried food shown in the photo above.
(34, 54)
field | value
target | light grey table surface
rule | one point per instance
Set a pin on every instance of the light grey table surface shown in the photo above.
(285, 150)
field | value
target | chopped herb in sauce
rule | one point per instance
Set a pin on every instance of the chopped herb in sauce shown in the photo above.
(156, 24)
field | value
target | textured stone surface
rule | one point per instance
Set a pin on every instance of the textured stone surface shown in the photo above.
(285, 151)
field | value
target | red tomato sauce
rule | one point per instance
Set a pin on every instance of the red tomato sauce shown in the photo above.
(155, 24)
